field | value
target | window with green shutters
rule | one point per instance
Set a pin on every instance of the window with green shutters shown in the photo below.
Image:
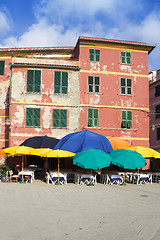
(33, 80)
(33, 117)
(94, 55)
(93, 84)
(93, 117)
(125, 58)
(61, 82)
(59, 118)
(126, 119)
(126, 86)
(2, 65)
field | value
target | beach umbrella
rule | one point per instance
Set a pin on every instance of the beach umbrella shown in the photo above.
(56, 154)
(2, 153)
(118, 143)
(20, 151)
(40, 142)
(83, 140)
(146, 152)
(127, 159)
(92, 159)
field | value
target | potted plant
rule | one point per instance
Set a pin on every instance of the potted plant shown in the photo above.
(3, 171)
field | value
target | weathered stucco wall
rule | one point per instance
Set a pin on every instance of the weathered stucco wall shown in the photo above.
(46, 101)
(109, 101)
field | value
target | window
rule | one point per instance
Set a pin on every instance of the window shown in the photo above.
(157, 91)
(2, 64)
(125, 57)
(61, 82)
(126, 119)
(92, 117)
(157, 112)
(93, 84)
(158, 133)
(94, 55)
(126, 86)
(33, 80)
(33, 117)
(59, 118)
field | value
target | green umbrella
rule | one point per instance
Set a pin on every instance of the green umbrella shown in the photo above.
(127, 159)
(92, 159)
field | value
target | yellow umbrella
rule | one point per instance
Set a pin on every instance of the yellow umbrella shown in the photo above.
(55, 154)
(18, 151)
(146, 152)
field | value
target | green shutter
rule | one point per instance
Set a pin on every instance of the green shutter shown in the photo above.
(59, 118)
(36, 117)
(123, 119)
(33, 117)
(33, 81)
(63, 118)
(95, 117)
(61, 82)
(64, 82)
(29, 114)
(94, 55)
(126, 119)
(37, 77)
(55, 118)
(97, 55)
(91, 55)
(57, 82)
(92, 117)
(29, 80)
(2, 65)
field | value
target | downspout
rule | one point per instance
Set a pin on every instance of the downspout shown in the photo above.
(9, 107)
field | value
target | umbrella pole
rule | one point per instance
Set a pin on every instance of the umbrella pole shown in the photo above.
(22, 180)
(58, 182)
(58, 169)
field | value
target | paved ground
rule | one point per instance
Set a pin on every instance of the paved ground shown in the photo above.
(43, 212)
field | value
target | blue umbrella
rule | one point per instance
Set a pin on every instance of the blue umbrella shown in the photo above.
(79, 141)
(40, 142)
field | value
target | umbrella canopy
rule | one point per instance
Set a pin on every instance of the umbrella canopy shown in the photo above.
(49, 153)
(92, 159)
(2, 153)
(40, 142)
(118, 143)
(83, 140)
(53, 153)
(19, 150)
(145, 151)
(127, 159)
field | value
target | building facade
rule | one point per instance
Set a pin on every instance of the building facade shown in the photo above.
(154, 101)
(96, 85)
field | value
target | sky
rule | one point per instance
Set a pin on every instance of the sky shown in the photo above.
(51, 23)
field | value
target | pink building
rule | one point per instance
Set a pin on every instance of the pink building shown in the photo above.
(96, 85)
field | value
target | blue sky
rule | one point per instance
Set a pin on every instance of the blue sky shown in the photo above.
(29, 23)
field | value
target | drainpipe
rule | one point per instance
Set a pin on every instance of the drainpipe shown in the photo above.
(8, 121)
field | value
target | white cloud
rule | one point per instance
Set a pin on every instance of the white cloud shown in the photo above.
(60, 23)
(4, 23)
(43, 34)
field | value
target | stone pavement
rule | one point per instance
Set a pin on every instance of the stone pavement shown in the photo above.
(39, 211)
